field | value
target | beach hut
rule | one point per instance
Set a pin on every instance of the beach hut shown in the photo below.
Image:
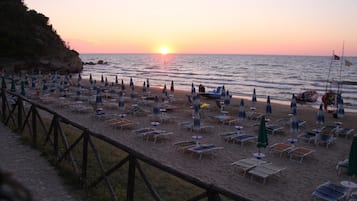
(352, 159)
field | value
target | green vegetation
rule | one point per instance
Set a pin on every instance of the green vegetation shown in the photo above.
(27, 36)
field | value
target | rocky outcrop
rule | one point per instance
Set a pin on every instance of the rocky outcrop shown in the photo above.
(29, 42)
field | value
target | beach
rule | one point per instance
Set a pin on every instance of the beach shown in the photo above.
(297, 180)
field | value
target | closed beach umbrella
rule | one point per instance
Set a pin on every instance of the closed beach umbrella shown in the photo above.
(262, 135)
(23, 88)
(241, 113)
(147, 84)
(268, 107)
(102, 79)
(196, 118)
(3, 83)
(223, 93)
(98, 98)
(144, 87)
(192, 88)
(106, 82)
(13, 86)
(122, 85)
(172, 89)
(294, 124)
(131, 83)
(254, 97)
(320, 118)
(164, 94)
(340, 107)
(227, 99)
(121, 103)
(116, 79)
(155, 109)
(352, 159)
(293, 105)
(79, 77)
(90, 79)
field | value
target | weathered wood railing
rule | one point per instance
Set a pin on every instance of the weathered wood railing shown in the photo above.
(16, 115)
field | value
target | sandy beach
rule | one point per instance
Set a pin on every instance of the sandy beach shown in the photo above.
(297, 180)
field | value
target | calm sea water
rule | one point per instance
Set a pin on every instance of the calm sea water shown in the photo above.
(275, 76)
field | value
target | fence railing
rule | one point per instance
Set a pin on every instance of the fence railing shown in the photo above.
(47, 126)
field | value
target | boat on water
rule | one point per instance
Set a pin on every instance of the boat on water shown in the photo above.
(310, 95)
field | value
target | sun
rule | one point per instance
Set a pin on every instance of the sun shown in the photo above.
(164, 51)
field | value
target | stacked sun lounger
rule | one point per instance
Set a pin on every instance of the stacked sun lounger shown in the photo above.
(281, 148)
(247, 164)
(152, 133)
(201, 149)
(265, 171)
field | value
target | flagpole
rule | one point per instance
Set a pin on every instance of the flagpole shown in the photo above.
(339, 91)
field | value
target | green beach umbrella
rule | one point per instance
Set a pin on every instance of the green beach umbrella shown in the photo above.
(3, 83)
(352, 160)
(262, 135)
(13, 87)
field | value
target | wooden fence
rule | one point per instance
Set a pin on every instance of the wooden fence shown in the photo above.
(22, 114)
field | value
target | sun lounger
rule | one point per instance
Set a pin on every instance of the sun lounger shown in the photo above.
(143, 130)
(248, 163)
(155, 135)
(344, 131)
(273, 128)
(184, 145)
(204, 149)
(330, 192)
(265, 170)
(122, 123)
(254, 115)
(226, 119)
(300, 152)
(241, 138)
(281, 148)
(325, 139)
(308, 136)
(341, 165)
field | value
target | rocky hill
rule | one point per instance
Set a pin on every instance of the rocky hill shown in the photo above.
(28, 41)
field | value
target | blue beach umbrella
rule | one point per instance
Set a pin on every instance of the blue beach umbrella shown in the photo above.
(98, 99)
(254, 97)
(320, 117)
(293, 105)
(241, 113)
(340, 107)
(122, 85)
(268, 109)
(172, 89)
(294, 124)
(121, 103)
(196, 118)
(352, 159)
(155, 109)
(227, 99)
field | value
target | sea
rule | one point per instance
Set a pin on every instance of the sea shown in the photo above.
(270, 75)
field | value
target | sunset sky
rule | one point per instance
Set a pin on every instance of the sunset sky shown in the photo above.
(288, 27)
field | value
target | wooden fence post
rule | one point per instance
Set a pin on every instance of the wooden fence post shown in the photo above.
(85, 158)
(131, 179)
